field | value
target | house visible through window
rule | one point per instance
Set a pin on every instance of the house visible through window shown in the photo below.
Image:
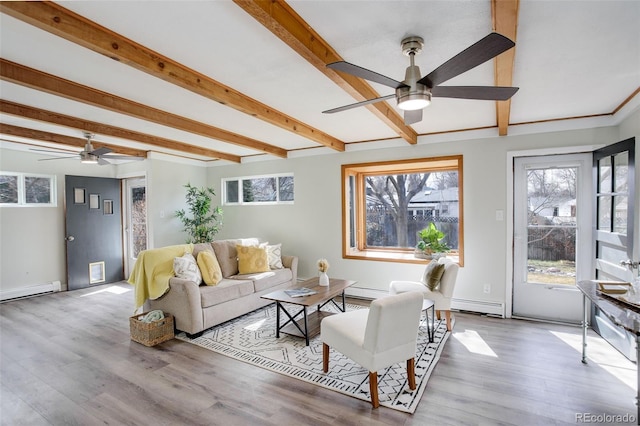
(22, 189)
(386, 204)
(269, 189)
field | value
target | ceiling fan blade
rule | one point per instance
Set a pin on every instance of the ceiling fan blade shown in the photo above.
(58, 158)
(474, 55)
(101, 151)
(487, 93)
(412, 116)
(358, 104)
(102, 161)
(365, 73)
(123, 157)
(52, 151)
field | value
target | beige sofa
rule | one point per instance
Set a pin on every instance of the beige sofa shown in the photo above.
(199, 307)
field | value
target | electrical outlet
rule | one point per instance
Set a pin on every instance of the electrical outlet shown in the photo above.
(487, 288)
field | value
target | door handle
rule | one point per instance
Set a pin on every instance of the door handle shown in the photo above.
(70, 238)
(630, 264)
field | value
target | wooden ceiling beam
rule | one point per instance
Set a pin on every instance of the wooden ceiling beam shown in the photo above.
(32, 113)
(43, 136)
(29, 77)
(51, 17)
(505, 21)
(279, 18)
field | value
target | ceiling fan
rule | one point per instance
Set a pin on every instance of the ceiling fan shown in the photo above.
(415, 92)
(89, 155)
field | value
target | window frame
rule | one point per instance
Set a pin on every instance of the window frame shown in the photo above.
(22, 190)
(241, 201)
(354, 206)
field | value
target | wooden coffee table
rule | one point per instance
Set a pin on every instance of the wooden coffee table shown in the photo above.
(309, 325)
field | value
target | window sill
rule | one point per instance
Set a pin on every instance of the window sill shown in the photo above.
(391, 256)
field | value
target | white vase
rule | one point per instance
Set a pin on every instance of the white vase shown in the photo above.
(323, 281)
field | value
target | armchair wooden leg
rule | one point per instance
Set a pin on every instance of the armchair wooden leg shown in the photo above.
(325, 357)
(373, 388)
(411, 373)
(447, 314)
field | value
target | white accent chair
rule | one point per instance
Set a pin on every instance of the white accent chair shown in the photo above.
(375, 338)
(441, 295)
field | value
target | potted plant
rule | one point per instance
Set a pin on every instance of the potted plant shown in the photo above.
(206, 221)
(430, 245)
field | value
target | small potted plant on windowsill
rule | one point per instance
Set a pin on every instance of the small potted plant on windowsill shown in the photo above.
(430, 245)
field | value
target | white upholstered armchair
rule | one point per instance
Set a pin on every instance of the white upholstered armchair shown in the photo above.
(376, 338)
(441, 295)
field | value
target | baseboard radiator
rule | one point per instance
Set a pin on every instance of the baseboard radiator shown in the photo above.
(480, 306)
(16, 293)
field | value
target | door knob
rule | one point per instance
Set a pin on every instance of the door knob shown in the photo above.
(630, 264)
(70, 238)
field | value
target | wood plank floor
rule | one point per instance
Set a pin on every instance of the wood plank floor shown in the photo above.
(66, 359)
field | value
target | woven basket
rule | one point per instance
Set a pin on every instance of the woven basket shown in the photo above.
(151, 333)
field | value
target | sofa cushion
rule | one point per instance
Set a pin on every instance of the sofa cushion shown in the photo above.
(252, 259)
(185, 267)
(227, 256)
(209, 267)
(198, 247)
(225, 290)
(267, 280)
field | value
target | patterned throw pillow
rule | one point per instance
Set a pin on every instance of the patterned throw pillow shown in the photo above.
(433, 274)
(252, 260)
(209, 267)
(185, 267)
(274, 253)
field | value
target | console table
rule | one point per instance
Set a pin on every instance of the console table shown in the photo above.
(620, 315)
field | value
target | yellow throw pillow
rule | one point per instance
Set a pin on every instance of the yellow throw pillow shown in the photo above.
(209, 267)
(252, 260)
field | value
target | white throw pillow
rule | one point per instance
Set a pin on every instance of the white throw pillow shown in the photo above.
(186, 267)
(274, 253)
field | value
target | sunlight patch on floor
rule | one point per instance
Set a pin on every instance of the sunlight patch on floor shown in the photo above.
(114, 289)
(600, 352)
(474, 343)
(256, 325)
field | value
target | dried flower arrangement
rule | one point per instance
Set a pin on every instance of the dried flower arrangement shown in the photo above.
(323, 265)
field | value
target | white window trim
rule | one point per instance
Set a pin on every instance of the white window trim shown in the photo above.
(53, 195)
(239, 179)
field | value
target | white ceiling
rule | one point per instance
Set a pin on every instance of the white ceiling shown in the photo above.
(573, 59)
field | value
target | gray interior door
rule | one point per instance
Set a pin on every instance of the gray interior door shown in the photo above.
(615, 239)
(93, 223)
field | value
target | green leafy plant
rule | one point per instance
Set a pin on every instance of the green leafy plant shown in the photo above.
(205, 220)
(431, 240)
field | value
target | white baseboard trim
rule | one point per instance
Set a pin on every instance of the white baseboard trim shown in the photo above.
(483, 307)
(30, 291)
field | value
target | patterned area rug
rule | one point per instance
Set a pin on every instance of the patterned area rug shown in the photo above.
(251, 338)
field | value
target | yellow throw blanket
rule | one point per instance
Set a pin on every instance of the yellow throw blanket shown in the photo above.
(152, 271)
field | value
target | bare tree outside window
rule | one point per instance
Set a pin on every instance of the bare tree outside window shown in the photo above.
(37, 190)
(386, 205)
(9, 189)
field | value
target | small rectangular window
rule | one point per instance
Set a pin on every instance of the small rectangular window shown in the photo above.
(272, 189)
(27, 189)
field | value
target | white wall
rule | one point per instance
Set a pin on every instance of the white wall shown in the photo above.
(312, 227)
(32, 245)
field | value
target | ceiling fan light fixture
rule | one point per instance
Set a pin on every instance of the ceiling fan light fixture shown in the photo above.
(410, 100)
(87, 158)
